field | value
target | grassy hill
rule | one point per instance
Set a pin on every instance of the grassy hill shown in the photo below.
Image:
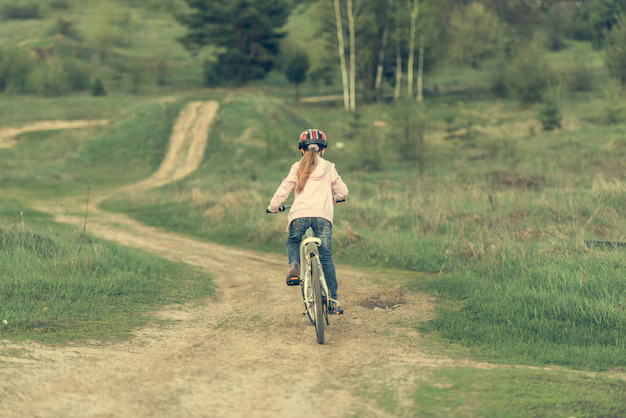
(130, 46)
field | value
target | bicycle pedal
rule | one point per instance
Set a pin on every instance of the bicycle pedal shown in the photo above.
(293, 281)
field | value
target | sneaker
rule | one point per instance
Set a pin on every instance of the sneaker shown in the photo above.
(294, 271)
(293, 278)
(334, 308)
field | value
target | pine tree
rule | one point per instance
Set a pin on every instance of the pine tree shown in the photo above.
(245, 32)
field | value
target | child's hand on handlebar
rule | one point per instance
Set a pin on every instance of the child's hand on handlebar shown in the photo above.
(280, 209)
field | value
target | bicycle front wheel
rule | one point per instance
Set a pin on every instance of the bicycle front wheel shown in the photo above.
(317, 301)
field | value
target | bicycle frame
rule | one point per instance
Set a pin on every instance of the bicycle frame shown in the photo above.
(308, 254)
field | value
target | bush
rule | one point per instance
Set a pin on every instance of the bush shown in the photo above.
(323, 75)
(59, 4)
(616, 50)
(57, 77)
(365, 149)
(48, 79)
(557, 23)
(76, 74)
(476, 32)
(65, 27)
(297, 69)
(550, 116)
(97, 89)
(525, 76)
(15, 66)
(21, 11)
(409, 133)
(580, 77)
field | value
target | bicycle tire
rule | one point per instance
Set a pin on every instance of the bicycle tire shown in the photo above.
(317, 301)
(306, 295)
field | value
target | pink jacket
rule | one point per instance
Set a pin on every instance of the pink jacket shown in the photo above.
(316, 200)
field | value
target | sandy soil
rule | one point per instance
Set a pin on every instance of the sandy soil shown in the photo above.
(247, 351)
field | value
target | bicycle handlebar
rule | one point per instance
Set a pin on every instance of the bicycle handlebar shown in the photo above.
(280, 209)
(285, 207)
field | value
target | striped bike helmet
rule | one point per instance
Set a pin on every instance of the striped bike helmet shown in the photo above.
(312, 136)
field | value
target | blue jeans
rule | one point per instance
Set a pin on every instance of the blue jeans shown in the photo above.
(323, 230)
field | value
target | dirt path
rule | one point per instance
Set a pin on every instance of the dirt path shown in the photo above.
(248, 351)
(8, 135)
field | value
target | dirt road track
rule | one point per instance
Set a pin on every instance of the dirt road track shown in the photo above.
(247, 351)
(7, 135)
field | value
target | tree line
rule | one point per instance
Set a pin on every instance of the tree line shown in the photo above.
(397, 41)
(375, 50)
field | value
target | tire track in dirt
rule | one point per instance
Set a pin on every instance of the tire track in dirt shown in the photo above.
(8, 135)
(247, 351)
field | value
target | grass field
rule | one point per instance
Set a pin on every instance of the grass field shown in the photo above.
(59, 285)
(498, 393)
(56, 163)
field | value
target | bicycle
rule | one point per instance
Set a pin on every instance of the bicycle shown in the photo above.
(315, 294)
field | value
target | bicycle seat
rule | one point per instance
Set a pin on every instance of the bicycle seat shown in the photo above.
(313, 240)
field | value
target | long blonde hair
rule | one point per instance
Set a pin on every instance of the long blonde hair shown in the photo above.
(307, 165)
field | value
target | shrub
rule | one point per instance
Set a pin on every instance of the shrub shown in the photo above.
(15, 66)
(296, 70)
(613, 113)
(557, 23)
(97, 88)
(48, 79)
(550, 116)
(76, 74)
(58, 76)
(65, 27)
(498, 77)
(365, 149)
(21, 11)
(476, 32)
(525, 75)
(616, 50)
(323, 75)
(580, 77)
(59, 4)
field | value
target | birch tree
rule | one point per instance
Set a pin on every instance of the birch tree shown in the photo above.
(413, 6)
(396, 91)
(427, 32)
(420, 72)
(342, 57)
(351, 30)
(381, 53)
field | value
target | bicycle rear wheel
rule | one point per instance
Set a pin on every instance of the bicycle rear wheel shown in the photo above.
(317, 301)
(307, 297)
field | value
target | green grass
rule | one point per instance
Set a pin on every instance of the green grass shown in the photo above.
(56, 163)
(17, 111)
(462, 392)
(550, 310)
(57, 285)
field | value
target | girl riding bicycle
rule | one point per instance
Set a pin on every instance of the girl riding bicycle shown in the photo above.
(315, 181)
